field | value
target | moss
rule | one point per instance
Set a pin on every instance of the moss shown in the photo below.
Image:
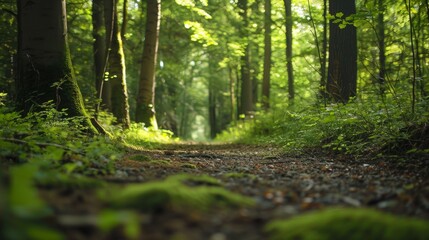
(52, 179)
(176, 192)
(338, 223)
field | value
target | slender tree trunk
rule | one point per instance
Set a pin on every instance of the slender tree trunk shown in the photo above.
(323, 93)
(124, 19)
(212, 101)
(413, 51)
(116, 66)
(267, 57)
(381, 47)
(45, 67)
(232, 94)
(145, 111)
(342, 69)
(419, 31)
(99, 53)
(289, 24)
(246, 100)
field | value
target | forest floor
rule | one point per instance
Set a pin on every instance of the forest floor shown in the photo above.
(282, 186)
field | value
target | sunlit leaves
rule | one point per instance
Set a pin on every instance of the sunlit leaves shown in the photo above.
(191, 5)
(200, 34)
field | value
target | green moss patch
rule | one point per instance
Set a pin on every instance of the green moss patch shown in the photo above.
(178, 192)
(52, 179)
(341, 223)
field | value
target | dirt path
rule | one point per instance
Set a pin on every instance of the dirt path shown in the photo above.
(282, 186)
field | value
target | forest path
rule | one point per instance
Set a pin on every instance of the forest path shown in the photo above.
(281, 185)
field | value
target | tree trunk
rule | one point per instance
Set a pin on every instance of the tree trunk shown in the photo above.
(145, 111)
(124, 19)
(342, 69)
(232, 97)
(212, 108)
(99, 53)
(322, 90)
(267, 57)
(381, 47)
(45, 68)
(246, 106)
(289, 24)
(116, 66)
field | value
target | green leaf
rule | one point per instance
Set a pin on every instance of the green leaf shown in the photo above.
(339, 14)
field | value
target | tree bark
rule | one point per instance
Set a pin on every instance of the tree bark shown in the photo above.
(342, 69)
(45, 67)
(124, 19)
(212, 103)
(116, 66)
(145, 111)
(289, 24)
(246, 98)
(323, 86)
(99, 53)
(267, 57)
(381, 47)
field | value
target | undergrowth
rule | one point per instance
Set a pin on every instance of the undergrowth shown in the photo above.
(369, 127)
(48, 149)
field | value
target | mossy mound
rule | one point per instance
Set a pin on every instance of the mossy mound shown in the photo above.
(351, 224)
(178, 192)
(53, 179)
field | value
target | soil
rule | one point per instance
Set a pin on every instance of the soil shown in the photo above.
(282, 185)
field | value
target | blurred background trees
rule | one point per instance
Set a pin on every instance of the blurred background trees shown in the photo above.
(210, 62)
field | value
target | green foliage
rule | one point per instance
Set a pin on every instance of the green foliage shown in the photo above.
(138, 135)
(61, 180)
(45, 149)
(341, 223)
(178, 192)
(360, 127)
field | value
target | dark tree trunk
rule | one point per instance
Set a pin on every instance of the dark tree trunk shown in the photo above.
(145, 111)
(232, 97)
(342, 69)
(246, 98)
(124, 19)
(99, 53)
(322, 91)
(116, 66)
(267, 57)
(289, 24)
(45, 68)
(212, 109)
(381, 47)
